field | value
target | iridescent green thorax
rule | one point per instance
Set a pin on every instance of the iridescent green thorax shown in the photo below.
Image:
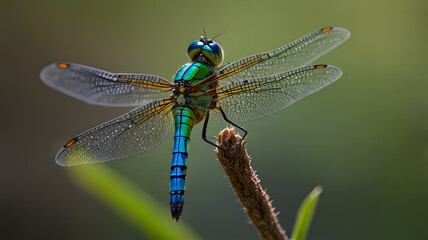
(192, 74)
(193, 71)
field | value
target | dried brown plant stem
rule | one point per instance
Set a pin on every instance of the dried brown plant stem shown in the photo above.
(236, 164)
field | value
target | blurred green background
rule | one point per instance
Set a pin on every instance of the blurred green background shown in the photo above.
(364, 138)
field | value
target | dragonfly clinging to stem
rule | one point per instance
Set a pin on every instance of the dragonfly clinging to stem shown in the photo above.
(244, 90)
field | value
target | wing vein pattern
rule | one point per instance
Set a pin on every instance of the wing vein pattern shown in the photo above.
(259, 97)
(133, 133)
(291, 56)
(100, 87)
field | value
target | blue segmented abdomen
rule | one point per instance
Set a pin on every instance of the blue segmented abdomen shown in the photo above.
(184, 119)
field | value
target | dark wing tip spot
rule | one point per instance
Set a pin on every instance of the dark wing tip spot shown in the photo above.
(71, 142)
(320, 66)
(62, 65)
(326, 29)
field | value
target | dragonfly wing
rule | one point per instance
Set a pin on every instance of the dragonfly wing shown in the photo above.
(297, 54)
(99, 87)
(133, 133)
(259, 97)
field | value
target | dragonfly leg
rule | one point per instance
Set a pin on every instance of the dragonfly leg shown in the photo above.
(233, 124)
(204, 133)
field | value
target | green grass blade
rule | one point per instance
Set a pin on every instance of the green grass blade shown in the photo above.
(132, 203)
(305, 214)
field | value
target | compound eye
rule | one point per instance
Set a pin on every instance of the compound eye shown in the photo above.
(195, 49)
(213, 52)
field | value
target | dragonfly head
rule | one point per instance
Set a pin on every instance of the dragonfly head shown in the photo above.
(206, 50)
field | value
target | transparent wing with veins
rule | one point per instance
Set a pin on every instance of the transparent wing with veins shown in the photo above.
(259, 97)
(297, 54)
(133, 133)
(100, 87)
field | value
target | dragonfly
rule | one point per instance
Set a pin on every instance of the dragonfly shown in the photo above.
(247, 89)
